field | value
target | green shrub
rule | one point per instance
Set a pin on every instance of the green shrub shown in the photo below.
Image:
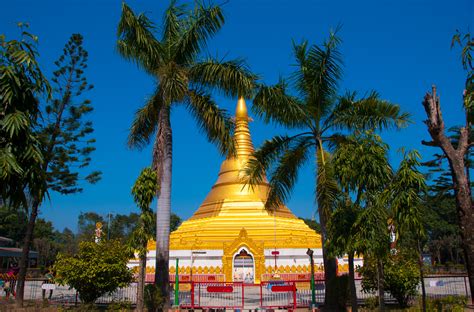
(84, 307)
(401, 277)
(153, 298)
(122, 306)
(449, 303)
(372, 302)
(98, 269)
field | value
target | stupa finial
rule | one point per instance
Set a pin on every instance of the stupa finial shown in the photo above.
(241, 109)
(243, 140)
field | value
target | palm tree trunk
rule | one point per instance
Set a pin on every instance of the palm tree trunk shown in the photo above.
(330, 282)
(20, 287)
(352, 282)
(141, 282)
(330, 264)
(163, 210)
(380, 285)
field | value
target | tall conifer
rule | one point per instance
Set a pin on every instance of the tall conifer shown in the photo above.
(65, 139)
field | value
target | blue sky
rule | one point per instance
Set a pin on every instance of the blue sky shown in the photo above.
(398, 48)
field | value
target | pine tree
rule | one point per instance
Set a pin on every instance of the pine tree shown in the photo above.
(65, 139)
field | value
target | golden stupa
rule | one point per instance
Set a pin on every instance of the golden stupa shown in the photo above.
(233, 214)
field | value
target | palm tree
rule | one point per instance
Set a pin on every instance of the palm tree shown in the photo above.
(314, 110)
(143, 192)
(171, 57)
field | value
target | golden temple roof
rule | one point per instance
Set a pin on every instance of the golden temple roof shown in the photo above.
(231, 205)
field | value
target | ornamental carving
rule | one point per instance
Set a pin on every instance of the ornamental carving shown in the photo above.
(255, 248)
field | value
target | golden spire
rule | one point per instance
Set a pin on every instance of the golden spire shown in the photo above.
(229, 187)
(242, 138)
(241, 109)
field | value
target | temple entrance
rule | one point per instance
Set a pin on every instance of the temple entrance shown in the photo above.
(244, 269)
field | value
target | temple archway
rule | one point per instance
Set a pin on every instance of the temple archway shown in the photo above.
(255, 249)
(243, 267)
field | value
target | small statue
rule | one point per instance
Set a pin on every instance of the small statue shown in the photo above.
(98, 231)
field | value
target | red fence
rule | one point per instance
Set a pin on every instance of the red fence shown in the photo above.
(292, 294)
(237, 295)
(217, 295)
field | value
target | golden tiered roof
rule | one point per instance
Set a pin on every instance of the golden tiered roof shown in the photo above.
(232, 206)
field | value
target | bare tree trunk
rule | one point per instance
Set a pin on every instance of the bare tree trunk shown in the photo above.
(451, 255)
(380, 285)
(141, 282)
(352, 284)
(20, 287)
(456, 159)
(163, 211)
(422, 277)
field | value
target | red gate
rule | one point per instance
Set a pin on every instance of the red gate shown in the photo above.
(278, 294)
(206, 295)
(237, 295)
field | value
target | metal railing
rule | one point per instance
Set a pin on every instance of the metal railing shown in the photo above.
(209, 295)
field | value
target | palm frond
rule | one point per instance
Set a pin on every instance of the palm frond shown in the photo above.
(325, 68)
(274, 104)
(213, 121)
(233, 77)
(335, 140)
(173, 26)
(370, 112)
(327, 189)
(136, 41)
(406, 189)
(284, 176)
(300, 76)
(198, 28)
(174, 82)
(264, 158)
(300, 52)
(319, 70)
(145, 122)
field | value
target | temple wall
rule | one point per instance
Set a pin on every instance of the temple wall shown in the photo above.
(292, 264)
(290, 256)
(293, 256)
